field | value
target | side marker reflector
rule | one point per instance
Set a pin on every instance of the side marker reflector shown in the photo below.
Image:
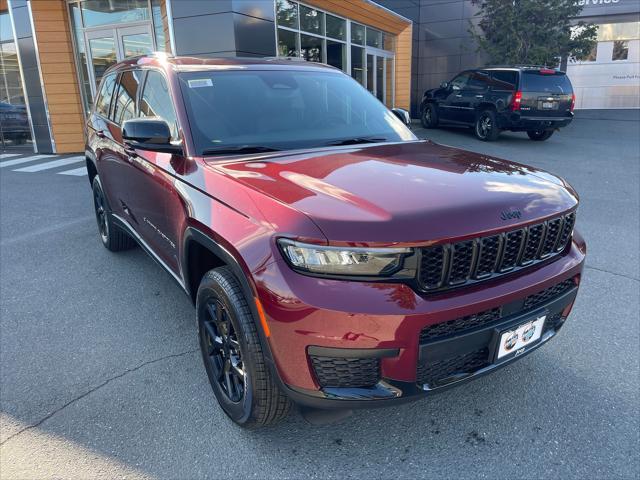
(263, 318)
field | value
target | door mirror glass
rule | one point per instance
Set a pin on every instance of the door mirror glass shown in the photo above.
(403, 115)
(149, 134)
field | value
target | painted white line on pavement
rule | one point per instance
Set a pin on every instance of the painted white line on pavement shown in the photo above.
(78, 172)
(18, 161)
(9, 155)
(45, 166)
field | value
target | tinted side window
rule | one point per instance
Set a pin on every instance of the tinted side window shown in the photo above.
(106, 93)
(125, 105)
(460, 81)
(156, 101)
(504, 80)
(478, 81)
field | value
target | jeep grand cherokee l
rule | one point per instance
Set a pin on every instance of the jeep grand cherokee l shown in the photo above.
(535, 100)
(334, 260)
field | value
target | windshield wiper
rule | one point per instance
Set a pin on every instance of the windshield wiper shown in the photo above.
(356, 140)
(239, 149)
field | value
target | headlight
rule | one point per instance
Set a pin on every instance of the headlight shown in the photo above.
(343, 260)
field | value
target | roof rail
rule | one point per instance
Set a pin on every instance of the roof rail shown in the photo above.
(519, 66)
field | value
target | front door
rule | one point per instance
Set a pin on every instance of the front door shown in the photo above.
(107, 46)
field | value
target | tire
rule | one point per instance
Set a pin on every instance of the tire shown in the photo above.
(539, 135)
(112, 236)
(232, 354)
(429, 117)
(486, 127)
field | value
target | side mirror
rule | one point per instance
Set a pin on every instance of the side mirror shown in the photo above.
(149, 133)
(444, 85)
(403, 115)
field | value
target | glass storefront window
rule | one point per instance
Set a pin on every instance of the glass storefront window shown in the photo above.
(618, 31)
(357, 33)
(311, 48)
(160, 28)
(287, 13)
(103, 55)
(100, 12)
(81, 55)
(137, 44)
(318, 36)
(15, 130)
(287, 43)
(337, 54)
(374, 38)
(311, 20)
(357, 64)
(620, 50)
(336, 27)
(6, 32)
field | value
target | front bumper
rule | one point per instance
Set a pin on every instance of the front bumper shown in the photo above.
(324, 332)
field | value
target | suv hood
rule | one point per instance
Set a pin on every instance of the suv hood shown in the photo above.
(404, 193)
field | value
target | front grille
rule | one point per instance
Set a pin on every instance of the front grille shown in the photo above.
(346, 372)
(436, 373)
(451, 265)
(494, 315)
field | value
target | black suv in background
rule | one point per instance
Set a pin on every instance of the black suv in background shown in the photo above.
(521, 99)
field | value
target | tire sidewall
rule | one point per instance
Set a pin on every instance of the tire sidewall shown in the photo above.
(432, 122)
(241, 411)
(97, 189)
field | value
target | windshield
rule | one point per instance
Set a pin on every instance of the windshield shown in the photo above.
(539, 82)
(283, 109)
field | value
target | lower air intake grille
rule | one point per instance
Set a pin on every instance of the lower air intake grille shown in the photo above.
(532, 301)
(459, 324)
(346, 372)
(439, 373)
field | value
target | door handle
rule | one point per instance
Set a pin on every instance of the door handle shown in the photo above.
(458, 95)
(479, 96)
(101, 134)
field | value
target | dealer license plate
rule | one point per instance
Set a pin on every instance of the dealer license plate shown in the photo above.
(517, 339)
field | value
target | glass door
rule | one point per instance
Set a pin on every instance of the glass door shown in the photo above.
(107, 46)
(379, 75)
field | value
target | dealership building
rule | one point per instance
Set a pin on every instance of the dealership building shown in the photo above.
(53, 53)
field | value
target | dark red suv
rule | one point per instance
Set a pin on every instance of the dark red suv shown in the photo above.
(334, 259)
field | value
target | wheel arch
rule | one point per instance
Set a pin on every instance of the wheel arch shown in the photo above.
(201, 253)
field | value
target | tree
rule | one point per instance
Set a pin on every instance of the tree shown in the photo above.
(532, 32)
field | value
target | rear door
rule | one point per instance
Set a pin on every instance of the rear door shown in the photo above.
(545, 93)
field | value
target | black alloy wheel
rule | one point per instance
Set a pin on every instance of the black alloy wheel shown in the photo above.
(224, 355)
(486, 128)
(112, 236)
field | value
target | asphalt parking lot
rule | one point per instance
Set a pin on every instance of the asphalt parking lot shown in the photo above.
(100, 374)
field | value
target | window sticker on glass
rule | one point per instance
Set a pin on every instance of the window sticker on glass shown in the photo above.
(200, 82)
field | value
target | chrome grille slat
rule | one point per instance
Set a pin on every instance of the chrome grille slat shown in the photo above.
(454, 264)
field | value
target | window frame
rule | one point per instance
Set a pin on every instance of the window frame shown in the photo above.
(99, 96)
(117, 92)
(147, 71)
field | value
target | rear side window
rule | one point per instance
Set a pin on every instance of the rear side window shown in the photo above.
(539, 82)
(125, 105)
(504, 80)
(156, 101)
(106, 93)
(478, 81)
